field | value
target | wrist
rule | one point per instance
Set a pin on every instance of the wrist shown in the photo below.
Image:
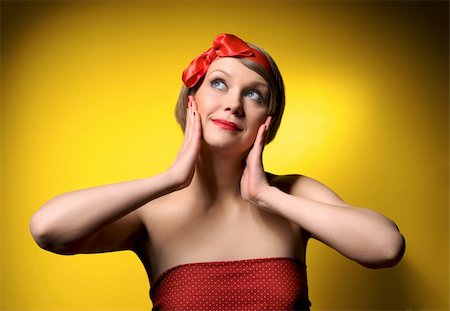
(266, 198)
(174, 182)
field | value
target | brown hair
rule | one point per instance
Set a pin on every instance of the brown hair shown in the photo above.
(276, 97)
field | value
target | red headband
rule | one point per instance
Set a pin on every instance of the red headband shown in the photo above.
(224, 45)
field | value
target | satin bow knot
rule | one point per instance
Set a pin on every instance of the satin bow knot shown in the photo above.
(224, 45)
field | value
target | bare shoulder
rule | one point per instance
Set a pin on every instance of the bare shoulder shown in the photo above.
(306, 187)
(164, 214)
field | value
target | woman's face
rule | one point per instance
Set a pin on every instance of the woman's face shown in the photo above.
(233, 102)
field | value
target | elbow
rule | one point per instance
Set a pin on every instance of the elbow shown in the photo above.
(41, 231)
(45, 236)
(395, 251)
(389, 254)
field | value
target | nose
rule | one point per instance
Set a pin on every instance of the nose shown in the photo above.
(234, 104)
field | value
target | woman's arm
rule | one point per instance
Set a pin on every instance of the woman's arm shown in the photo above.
(72, 222)
(359, 234)
(104, 218)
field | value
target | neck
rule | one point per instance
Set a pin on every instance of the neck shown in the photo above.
(218, 175)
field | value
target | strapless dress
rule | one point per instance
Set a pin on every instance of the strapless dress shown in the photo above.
(278, 283)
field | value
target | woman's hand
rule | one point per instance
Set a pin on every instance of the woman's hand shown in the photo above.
(182, 170)
(254, 181)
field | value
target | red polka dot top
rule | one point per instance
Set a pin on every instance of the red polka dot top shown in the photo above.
(250, 284)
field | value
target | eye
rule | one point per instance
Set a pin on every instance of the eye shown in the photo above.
(254, 95)
(218, 84)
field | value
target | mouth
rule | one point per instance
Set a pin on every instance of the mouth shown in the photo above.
(226, 125)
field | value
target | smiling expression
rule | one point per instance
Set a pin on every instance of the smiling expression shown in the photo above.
(233, 102)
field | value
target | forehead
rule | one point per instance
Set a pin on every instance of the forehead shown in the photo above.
(233, 67)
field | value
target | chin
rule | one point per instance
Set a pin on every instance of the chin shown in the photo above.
(226, 145)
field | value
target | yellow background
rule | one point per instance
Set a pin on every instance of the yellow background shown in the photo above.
(88, 91)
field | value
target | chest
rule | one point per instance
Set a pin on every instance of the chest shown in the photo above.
(183, 234)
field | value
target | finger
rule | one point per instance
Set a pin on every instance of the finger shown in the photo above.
(197, 124)
(193, 117)
(263, 131)
(188, 125)
(193, 104)
(259, 144)
(256, 151)
(193, 130)
(266, 130)
(261, 135)
(268, 121)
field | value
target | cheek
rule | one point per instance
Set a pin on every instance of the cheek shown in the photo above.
(254, 126)
(204, 109)
(202, 102)
(256, 123)
(206, 106)
(260, 116)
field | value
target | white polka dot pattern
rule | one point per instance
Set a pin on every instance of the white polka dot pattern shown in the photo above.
(251, 284)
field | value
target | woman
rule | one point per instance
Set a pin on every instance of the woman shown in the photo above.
(215, 230)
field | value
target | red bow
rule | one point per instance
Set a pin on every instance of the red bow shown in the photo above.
(224, 45)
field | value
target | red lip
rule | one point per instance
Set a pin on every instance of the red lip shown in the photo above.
(226, 125)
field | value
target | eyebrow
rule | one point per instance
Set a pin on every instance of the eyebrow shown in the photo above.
(263, 84)
(222, 71)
